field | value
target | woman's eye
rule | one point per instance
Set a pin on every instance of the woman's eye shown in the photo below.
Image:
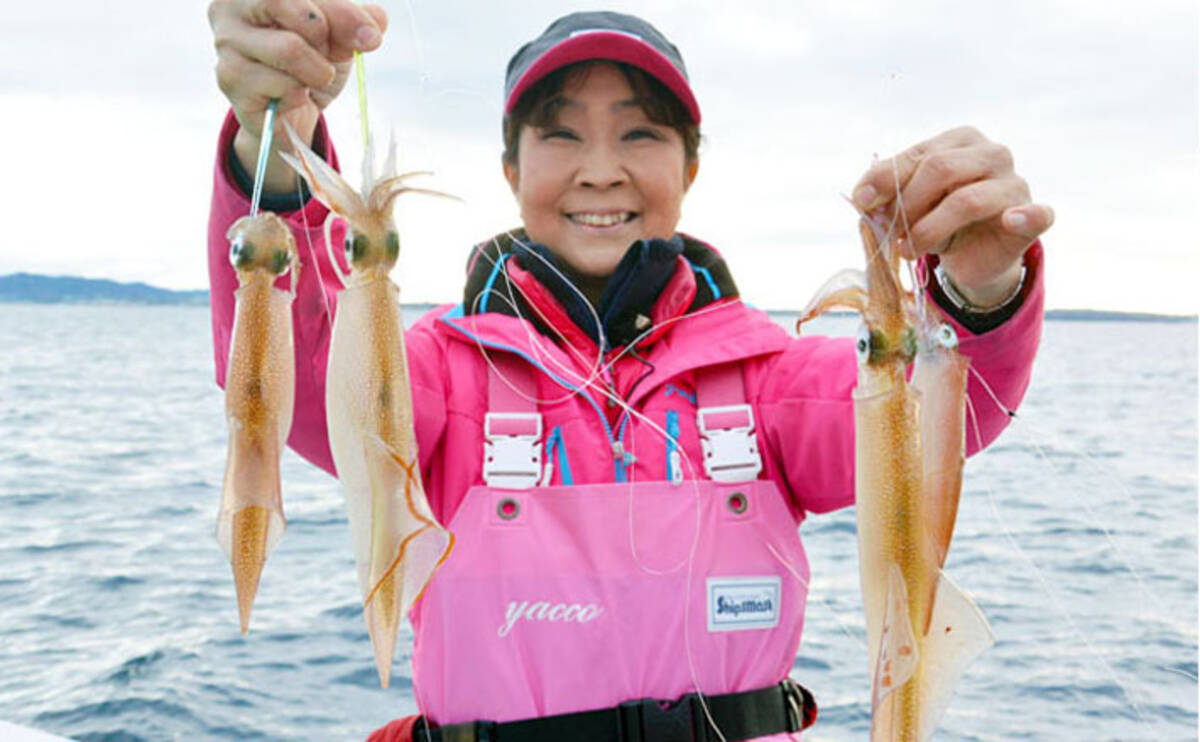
(559, 134)
(642, 134)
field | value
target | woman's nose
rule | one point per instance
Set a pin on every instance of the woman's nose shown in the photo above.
(601, 167)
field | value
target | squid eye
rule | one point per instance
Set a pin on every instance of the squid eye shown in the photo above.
(240, 252)
(862, 344)
(280, 263)
(356, 247)
(946, 337)
(393, 245)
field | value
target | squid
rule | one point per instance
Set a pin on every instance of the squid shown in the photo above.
(398, 544)
(259, 392)
(909, 446)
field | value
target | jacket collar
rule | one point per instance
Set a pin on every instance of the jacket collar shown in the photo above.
(698, 318)
(656, 281)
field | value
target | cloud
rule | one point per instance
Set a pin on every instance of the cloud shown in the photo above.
(117, 113)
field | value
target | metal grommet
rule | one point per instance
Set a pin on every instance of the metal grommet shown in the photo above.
(507, 508)
(738, 502)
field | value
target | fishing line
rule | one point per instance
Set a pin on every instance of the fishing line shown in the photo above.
(919, 288)
(1092, 520)
(853, 636)
(312, 253)
(808, 586)
(690, 558)
(534, 342)
(688, 562)
(1046, 586)
(416, 38)
(1095, 522)
(914, 266)
(529, 332)
(982, 382)
(264, 152)
(360, 75)
(327, 228)
(597, 367)
(631, 414)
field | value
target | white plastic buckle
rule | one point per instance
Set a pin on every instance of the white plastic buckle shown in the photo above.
(730, 453)
(512, 461)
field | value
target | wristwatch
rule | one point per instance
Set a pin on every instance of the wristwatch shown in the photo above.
(960, 302)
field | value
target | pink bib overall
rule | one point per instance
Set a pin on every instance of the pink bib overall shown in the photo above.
(571, 598)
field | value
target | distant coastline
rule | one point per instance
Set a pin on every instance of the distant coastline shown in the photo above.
(31, 288)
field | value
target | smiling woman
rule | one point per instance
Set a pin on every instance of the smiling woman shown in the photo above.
(595, 172)
(602, 422)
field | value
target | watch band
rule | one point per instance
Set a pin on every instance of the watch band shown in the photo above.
(961, 303)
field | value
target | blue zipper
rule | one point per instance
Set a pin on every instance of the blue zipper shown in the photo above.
(621, 459)
(672, 468)
(555, 443)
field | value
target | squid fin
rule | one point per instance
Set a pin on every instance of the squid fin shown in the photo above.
(898, 654)
(382, 615)
(958, 634)
(255, 531)
(418, 546)
(247, 534)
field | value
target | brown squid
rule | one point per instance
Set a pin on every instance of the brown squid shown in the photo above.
(259, 391)
(368, 404)
(909, 449)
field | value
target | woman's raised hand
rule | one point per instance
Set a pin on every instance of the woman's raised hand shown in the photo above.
(963, 201)
(296, 51)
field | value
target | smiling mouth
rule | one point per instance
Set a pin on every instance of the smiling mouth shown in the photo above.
(602, 219)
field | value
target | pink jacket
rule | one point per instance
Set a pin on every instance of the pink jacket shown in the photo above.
(799, 387)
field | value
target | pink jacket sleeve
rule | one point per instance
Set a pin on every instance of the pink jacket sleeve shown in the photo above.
(808, 412)
(312, 312)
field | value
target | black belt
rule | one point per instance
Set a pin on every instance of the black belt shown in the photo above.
(786, 707)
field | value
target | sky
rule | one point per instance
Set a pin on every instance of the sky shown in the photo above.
(111, 114)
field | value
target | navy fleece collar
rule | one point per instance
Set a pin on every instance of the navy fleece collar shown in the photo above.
(632, 290)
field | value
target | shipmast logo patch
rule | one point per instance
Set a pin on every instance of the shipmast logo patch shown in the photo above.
(743, 603)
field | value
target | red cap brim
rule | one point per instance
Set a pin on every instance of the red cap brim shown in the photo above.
(611, 45)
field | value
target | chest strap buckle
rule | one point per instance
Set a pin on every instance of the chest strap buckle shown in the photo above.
(727, 439)
(512, 450)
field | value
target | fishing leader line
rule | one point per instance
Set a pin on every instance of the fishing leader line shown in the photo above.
(1046, 589)
(1026, 429)
(264, 152)
(588, 382)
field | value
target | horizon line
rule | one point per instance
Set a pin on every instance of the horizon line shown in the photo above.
(1048, 310)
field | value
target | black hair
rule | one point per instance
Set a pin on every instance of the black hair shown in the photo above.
(539, 105)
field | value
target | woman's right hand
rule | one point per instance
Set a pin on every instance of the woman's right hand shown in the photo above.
(297, 51)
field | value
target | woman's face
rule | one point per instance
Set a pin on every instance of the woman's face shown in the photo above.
(601, 177)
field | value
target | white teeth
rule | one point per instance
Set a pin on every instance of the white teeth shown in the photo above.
(599, 220)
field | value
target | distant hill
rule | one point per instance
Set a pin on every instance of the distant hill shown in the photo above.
(1059, 315)
(37, 289)
(28, 287)
(1094, 315)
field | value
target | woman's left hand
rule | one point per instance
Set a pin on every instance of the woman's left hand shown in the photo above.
(963, 201)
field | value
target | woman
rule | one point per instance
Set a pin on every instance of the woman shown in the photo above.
(606, 575)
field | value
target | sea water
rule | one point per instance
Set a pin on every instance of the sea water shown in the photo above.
(118, 622)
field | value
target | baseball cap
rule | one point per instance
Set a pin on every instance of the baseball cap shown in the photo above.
(599, 35)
